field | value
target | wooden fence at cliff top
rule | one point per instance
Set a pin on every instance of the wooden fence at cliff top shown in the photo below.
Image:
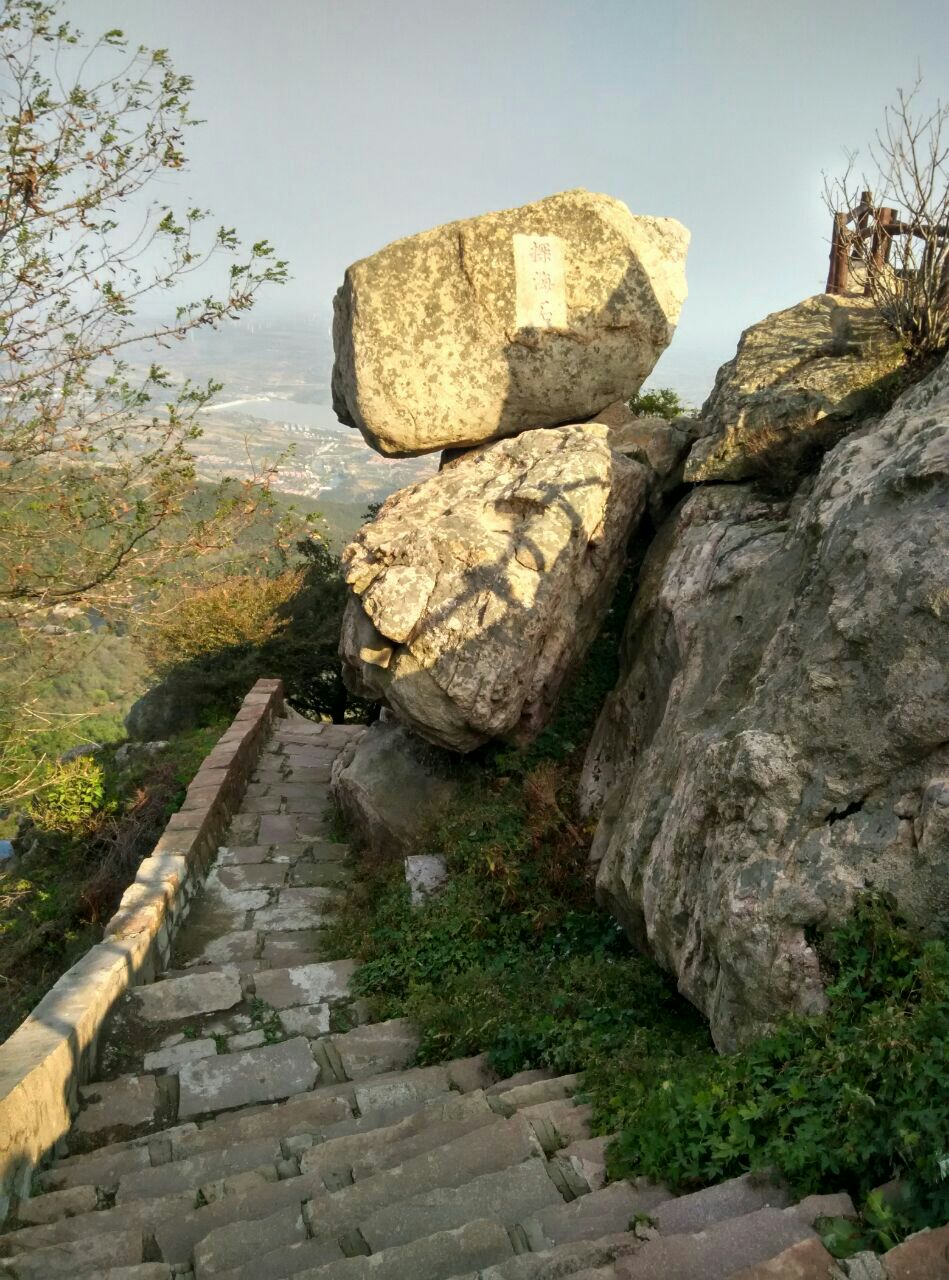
(878, 224)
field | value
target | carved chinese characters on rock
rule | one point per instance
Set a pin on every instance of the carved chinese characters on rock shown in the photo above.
(541, 286)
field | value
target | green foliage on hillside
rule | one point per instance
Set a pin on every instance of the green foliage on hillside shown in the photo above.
(85, 837)
(515, 958)
(208, 646)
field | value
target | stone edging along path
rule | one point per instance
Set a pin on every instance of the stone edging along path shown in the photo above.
(54, 1049)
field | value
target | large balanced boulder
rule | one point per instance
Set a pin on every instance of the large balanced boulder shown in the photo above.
(526, 318)
(473, 593)
(797, 379)
(779, 738)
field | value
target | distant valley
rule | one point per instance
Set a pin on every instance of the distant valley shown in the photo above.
(275, 404)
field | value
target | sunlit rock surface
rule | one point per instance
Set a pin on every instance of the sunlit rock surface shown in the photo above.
(779, 738)
(475, 592)
(506, 322)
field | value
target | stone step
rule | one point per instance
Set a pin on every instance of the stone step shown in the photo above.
(286, 1260)
(315, 1116)
(521, 1078)
(507, 1197)
(141, 1216)
(192, 1173)
(574, 1260)
(559, 1123)
(488, 1149)
(87, 1257)
(549, 1090)
(471, 1247)
(373, 1148)
(232, 1080)
(329, 1215)
(701, 1209)
(607, 1212)
(373, 1049)
(729, 1245)
(324, 982)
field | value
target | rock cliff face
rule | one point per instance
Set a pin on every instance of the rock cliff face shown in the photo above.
(796, 380)
(780, 736)
(510, 321)
(475, 592)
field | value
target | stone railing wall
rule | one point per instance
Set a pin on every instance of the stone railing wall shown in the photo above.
(55, 1048)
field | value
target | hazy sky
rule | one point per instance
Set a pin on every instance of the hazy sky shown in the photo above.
(335, 126)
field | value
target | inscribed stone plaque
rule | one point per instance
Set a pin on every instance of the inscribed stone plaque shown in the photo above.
(541, 285)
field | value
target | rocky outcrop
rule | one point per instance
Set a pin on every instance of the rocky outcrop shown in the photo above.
(797, 378)
(525, 318)
(474, 593)
(163, 710)
(779, 739)
(659, 445)
(390, 786)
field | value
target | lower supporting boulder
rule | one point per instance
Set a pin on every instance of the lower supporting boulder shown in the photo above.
(473, 594)
(390, 785)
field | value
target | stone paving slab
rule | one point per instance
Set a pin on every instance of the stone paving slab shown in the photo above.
(379, 1047)
(177, 998)
(238, 855)
(317, 983)
(237, 1079)
(113, 1107)
(174, 1057)
(263, 875)
(297, 946)
(278, 827)
(296, 909)
(244, 827)
(310, 1020)
(227, 948)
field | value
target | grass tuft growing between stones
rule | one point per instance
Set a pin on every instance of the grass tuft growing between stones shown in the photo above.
(515, 958)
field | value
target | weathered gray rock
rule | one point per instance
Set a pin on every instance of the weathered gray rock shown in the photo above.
(475, 593)
(798, 375)
(520, 319)
(425, 874)
(657, 444)
(778, 739)
(161, 711)
(390, 784)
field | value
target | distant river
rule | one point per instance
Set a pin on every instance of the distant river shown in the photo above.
(304, 415)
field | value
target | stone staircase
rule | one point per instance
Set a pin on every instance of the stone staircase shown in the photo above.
(250, 1124)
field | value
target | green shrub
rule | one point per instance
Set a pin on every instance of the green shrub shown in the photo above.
(72, 798)
(209, 645)
(661, 403)
(844, 1101)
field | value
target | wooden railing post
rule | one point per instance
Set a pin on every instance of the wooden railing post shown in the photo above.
(838, 275)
